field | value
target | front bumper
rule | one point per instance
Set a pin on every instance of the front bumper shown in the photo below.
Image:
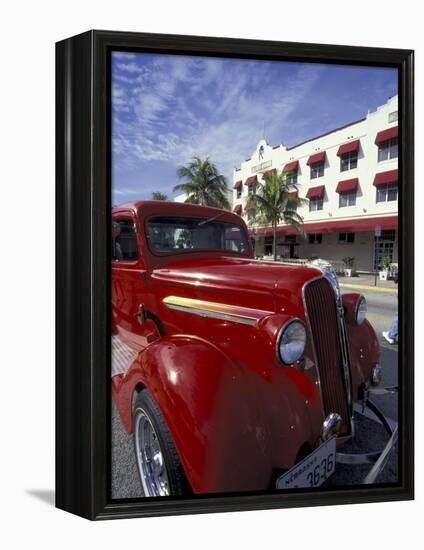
(378, 459)
(297, 476)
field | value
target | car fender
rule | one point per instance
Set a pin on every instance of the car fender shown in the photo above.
(204, 398)
(364, 351)
(229, 435)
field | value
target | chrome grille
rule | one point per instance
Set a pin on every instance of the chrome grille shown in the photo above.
(321, 306)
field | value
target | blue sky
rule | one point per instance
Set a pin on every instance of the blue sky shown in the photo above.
(167, 108)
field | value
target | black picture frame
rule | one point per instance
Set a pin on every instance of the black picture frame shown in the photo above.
(82, 272)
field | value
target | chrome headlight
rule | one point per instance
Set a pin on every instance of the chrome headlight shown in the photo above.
(361, 310)
(291, 342)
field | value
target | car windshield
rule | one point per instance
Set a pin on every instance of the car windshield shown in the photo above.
(173, 234)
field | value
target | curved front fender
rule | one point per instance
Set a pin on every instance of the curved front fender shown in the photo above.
(204, 397)
(364, 351)
(232, 424)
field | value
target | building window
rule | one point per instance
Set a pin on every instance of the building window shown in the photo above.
(393, 116)
(384, 247)
(347, 199)
(317, 169)
(238, 192)
(388, 235)
(346, 238)
(388, 149)
(387, 192)
(291, 178)
(315, 238)
(349, 161)
(316, 204)
(268, 242)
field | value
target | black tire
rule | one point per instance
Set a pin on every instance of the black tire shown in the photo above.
(173, 482)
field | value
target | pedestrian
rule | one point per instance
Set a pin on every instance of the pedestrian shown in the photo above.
(392, 334)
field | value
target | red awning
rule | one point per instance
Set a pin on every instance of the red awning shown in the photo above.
(237, 209)
(346, 186)
(384, 135)
(269, 173)
(356, 225)
(291, 166)
(391, 176)
(348, 147)
(293, 194)
(316, 157)
(251, 180)
(238, 184)
(315, 192)
(350, 226)
(249, 206)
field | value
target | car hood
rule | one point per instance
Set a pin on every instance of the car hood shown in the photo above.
(239, 281)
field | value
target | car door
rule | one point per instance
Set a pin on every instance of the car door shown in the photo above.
(129, 283)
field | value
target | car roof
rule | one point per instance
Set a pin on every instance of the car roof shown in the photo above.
(149, 207)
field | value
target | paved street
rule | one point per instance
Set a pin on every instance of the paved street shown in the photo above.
(370, 436)
(125, 480)
(382, 306)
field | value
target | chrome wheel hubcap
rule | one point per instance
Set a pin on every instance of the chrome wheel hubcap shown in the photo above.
(153, 474)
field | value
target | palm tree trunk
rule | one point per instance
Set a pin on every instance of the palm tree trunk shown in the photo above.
(274, 225)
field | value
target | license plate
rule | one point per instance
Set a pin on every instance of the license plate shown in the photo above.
(313, 470)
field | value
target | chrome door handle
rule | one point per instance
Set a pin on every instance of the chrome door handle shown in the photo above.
(141, 314)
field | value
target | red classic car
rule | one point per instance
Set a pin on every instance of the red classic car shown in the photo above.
(228, 371)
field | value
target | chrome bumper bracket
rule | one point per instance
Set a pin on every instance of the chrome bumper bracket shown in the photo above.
(377, 458)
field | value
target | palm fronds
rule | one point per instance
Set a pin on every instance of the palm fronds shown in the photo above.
(203, 183)
(276, 202)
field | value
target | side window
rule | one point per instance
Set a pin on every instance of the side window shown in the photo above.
(124, 241)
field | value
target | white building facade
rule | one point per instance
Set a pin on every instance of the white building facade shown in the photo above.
(350, 178)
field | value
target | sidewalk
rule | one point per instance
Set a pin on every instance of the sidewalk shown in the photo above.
(366, 282)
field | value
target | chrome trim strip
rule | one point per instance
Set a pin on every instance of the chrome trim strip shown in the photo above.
(381, 462)
(355, 459)
(305, 309)
(347, 370)
(215, 310)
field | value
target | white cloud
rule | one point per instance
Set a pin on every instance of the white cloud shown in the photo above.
(125, 191)
(131, 67)
(132, 79)
(124, 55)
(207, 106)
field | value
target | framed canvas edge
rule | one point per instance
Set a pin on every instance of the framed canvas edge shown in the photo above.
(82, 289)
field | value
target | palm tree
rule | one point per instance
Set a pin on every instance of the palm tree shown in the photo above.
(159, 196)
(275, 201)
(204, 184)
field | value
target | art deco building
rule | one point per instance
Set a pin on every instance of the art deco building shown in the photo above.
(349, 175)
